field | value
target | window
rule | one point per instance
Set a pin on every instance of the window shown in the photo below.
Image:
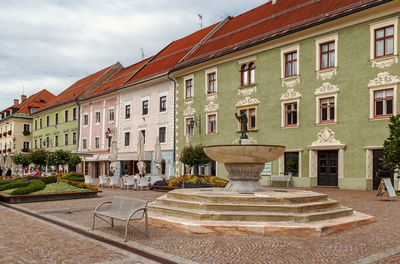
(291, 114)
(145, 107)
(327, 53)
(292, 163)
(74, 114)
(40, 143)
(162, 134)
(96, 142)
(384, 41)
(35, 124)
(40, 123)
(211, 83)
(189, 124)
(66, 139)
(33, 110)
(251, 114)
(291, 64)
(26, 145)
(189, 88)
(111, 116)
(248, 74)
(47, 121)
(144, 135)
(97, 117)
(127, 111)
(36, 144)
(27, 127)
(327, 109)
(211, 124)
(66, 116)
(84, 143)
(56, 119)
(127, 138)
(383, 103)
(163, 103)
(86, 169)
(48, 142)
(74, 138)
(56, 141)
(85, 119)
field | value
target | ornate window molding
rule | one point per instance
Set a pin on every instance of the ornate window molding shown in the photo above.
(291, 82)
(291, 94)
(247, 101)
(211, 97)
(383, 79)
(189, 111)
(326, 88)
(382, 63)
(326, 74)
(247, 91)
(211, 107)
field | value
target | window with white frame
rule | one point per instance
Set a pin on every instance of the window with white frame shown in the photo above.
(55, 140)
(384, 38)
(36, 127)
(291, 114)
(189, 126)
(211, 80)
(66, 116)
(97, 117)
(143, 131)
(247, 73)
(163, 103)
(47, 121)
(211, 123)
(36, 146)
(84, 143)
(74, 111)
(56, 119)
(66, 140)
(48, 142)
(383, 102)
(97, 142)
(189, 86)
(162, 134)
(40, 123)
(74, 138)
(290, 61)
(127, 111)
(127, 139)
(291, 163)
(27, 127)
(327, 110)
(85, 119)
(111, 115)
(145, 107)
(327, 52)
(26, 146)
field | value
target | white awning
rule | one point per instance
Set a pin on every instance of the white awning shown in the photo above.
(104, 157)
(133, 156)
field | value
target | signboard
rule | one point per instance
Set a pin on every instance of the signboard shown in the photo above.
(386, 184)
(267, 169)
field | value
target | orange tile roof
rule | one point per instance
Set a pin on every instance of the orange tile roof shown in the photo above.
(76, 89)
(167, 58)
(119, 79)
(270, 21)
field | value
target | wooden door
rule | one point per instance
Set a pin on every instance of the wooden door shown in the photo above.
(328, 168)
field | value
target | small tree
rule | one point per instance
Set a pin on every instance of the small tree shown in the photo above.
(38, 157)
(73, 161)
(58, 158)
(21, 159)
(391, 146)
(194, 156)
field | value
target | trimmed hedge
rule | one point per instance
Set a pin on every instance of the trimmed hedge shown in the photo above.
(14, 185)
(49, 179)
(80, 185)
(32, 187)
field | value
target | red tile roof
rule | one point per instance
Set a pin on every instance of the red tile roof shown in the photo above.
(167, 58)
(118, 79)
(36, 100)
(76, 89)
(269, 21)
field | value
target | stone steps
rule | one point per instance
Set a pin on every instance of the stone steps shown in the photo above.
(316, 206)
(259, 216)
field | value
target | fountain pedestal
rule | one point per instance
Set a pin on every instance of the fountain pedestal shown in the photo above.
(244, 177)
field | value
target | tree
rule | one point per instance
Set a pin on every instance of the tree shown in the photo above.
(21, 159)
(73, 161)
(58, 158)
(38, 157)
(391, 146)
(194, 156)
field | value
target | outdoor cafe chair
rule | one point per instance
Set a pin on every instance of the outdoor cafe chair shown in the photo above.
(129, 181)
(112, 181)
(143, 182)
(103, 180)
(88, 180)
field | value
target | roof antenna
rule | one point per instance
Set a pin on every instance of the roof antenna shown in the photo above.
(201, 20)
(143, 56)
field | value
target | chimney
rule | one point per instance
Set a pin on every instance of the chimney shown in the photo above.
(23, 98)
(16, 101)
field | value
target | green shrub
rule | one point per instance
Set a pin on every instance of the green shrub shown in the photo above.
(73, 176)
(33, 186)
(14, 184)
(4, 182)
(49, 179)
(60, 187)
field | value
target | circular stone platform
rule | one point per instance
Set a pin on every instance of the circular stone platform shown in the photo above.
(271, 211)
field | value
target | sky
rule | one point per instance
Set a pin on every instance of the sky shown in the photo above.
(50, 44)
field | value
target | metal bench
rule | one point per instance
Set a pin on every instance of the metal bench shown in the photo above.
(282, 177)
(124, 209)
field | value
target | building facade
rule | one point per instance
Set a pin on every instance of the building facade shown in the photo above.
(324, 87)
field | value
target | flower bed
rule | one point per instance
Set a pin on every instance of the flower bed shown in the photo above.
(190, 181)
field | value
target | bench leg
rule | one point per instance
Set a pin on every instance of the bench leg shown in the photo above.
(146, 222)
(126, 230)
(112, 222)
(94, 216)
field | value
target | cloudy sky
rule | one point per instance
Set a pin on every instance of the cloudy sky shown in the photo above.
(50, 44)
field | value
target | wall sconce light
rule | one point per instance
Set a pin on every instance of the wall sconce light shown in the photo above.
(196, 121)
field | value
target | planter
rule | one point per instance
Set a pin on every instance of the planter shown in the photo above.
(4, 134)
(30, 198)
(9, 133)
(8, 150)
(25, 150)
(26, 133)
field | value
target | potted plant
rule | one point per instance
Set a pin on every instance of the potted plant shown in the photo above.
(9, 150)
(4, 134)
(291, 166)
(25, 150)
(26, 132)
(9, 132)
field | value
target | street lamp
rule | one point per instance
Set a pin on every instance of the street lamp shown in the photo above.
(196, 120)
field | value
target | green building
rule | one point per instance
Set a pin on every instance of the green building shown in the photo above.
(55, 126)
(319, 77)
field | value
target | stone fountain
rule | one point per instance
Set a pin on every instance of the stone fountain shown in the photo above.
(245, 206)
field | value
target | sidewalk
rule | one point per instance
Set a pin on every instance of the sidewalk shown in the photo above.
(374, 243)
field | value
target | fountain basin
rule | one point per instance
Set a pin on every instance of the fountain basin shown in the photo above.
(244, 164)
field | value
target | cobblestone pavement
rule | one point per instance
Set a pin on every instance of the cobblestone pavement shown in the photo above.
(356, 244)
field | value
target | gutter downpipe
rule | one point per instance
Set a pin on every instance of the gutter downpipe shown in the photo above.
(79, 126)
(174, 104)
